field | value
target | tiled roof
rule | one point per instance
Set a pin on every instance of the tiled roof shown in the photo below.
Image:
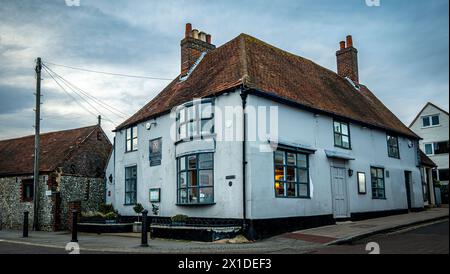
(248, 61)
(17, 155)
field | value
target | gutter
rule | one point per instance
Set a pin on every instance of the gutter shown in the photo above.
(244, 95)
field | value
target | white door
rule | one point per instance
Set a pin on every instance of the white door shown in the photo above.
(339, 187)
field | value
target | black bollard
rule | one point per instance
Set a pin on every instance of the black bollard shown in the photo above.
(144, 239)
(25, 224)
(74, 226)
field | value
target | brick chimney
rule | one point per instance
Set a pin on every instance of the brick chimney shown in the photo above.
(347, 60)
(192, 46)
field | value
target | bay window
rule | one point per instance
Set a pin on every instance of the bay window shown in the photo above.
(196, 179)
(195, 120)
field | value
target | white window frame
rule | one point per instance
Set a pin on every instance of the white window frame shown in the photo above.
(430, 119)
(196, 119)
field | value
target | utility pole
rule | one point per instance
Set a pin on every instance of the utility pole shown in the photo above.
(37, 128)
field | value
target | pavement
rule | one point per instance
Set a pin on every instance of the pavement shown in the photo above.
(296, 242)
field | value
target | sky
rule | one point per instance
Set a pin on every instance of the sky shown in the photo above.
(403, 50)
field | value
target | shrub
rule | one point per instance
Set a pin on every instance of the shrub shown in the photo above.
(138, 208)
(111, 216)
(179, 218)
(106, 208)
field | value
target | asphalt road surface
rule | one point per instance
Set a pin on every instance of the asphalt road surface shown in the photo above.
(427, 239)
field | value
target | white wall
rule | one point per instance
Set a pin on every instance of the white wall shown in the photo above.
(227, 161)
(369, 148)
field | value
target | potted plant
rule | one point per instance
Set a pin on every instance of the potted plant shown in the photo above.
(179, 220)
(137, 226)
(110, 217)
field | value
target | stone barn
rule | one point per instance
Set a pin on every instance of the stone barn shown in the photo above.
(71, 173)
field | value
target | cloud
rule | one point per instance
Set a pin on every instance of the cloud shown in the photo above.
(403, 49)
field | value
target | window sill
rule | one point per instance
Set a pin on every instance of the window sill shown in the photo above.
(392, 157)
(129, 204)
(431, 126)
(298, 198)
(196, 138)
(194, 205)
(382, 199)
(343, 147)
(131, 151)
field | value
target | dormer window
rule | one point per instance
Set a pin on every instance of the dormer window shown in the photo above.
(430, 121)
(195, 120)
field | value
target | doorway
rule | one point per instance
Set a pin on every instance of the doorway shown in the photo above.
(408, 179)
(340, 195)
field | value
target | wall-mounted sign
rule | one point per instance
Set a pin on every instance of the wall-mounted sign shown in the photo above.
(155, 195)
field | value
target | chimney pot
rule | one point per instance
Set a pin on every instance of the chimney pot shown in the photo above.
(349, 41)
(188, 30)
(208, 38)
(195, 34)
(202, 36)
(342, 45)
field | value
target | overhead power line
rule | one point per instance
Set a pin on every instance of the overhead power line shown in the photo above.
(99, 102)
(110, 73)
(76, 100)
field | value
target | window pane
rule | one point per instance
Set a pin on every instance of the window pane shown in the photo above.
(206, 195)
(182, 163)
(183, 131)
(279, 173)
(182, 115)
(206, 110)
(426, 121)
(128, 134)
(290, 174)
(303, 176)
(291, 159)
(337, 139)
(193, 195)
(303, 190)
(380, 173)
(205, 161)
(191, 113)
(435, 120)
(337, 127)
(290, 191)
(135, 133)
(441, 148)
(380, 183)
(192, 178)
(279, 158)
(344, 128)
(428, 149)
(183, 196)
(135, 144)
(345, 142)
(207, 126)
(279, 188)
(192, 162)
(206, 177)
(182, 180)
(373, 172)
(128, 148)
(192, 128)
(302, 160)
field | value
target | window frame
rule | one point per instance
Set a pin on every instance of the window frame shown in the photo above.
(155, 159)
(430, 120)
(131, 139)
(341, 135)
(197, 120)
(389, 146)
(375, 197)
(197, 169)
(126, 192)
(27, 183)
(433, 148)
(297, 182)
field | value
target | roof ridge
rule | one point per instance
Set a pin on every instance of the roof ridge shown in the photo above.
(46, 133)
(243, 59)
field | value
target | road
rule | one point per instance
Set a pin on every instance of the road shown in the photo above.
(427, 239)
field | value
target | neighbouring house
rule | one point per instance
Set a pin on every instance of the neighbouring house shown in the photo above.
(432, 125)
(426, 171)
(71, 176)
(336, 152)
